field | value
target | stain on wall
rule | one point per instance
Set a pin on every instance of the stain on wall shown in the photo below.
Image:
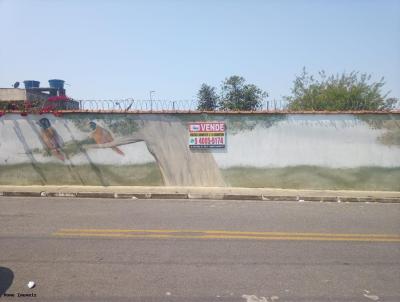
(287, 151)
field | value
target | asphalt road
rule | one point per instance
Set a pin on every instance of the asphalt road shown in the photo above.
(187, 250)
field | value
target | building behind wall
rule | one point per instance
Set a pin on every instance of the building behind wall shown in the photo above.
(34, 97)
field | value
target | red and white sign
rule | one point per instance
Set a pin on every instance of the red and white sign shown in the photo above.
(207, 135)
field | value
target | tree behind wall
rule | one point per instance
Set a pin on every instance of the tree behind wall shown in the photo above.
(353, 91)
(207, 98)
(237, 95)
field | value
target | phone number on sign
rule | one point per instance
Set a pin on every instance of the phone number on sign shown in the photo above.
(209, 141)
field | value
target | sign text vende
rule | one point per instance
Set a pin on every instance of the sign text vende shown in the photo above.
(207, 135)
(207, 127)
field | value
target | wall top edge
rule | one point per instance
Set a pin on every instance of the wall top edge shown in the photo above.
(201, 112)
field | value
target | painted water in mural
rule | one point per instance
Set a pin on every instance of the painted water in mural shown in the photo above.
(285, 151)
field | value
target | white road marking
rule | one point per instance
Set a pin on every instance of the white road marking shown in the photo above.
(254, 298)
(371, 297)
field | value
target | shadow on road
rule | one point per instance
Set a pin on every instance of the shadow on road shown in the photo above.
(6, 279)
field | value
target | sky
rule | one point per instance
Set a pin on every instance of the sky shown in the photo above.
(107, 49)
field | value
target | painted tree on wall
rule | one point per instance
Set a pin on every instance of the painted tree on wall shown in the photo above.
(348, 91)
(178, 164)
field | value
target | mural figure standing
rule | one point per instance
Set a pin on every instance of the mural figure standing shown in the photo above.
(50, 138)
(103, 136)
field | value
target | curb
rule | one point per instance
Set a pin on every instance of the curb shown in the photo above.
(22, 194)
(201, 196)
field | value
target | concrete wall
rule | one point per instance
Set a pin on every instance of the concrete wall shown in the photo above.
(288, 151)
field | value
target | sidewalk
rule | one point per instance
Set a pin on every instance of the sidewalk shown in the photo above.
(222, 193)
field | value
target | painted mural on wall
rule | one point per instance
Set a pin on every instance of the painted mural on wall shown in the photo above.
(286, 151)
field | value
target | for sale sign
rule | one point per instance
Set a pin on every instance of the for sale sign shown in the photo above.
(207, 135)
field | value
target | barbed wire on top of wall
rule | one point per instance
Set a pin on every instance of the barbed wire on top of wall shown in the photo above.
(133, 105)
(192, 105)
(162, 105)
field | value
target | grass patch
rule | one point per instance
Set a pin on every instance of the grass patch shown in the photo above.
(312, 177)
(58, 174)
